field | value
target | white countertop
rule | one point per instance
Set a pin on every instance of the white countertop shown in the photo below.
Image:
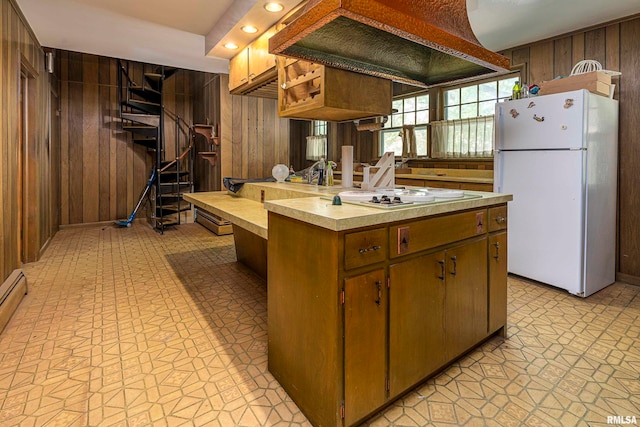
(321, 212)
(313, 204)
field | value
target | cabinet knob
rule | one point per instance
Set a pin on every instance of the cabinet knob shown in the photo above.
(372, 248)
(501, 220)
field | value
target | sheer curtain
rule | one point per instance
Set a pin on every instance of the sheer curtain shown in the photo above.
(316, 147)
(472, 137)
(408, 135)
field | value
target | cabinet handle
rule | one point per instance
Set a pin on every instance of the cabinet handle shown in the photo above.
(455, 265)
(244, 79)
(441, 276)
(252, 75)
(372, 248)
(497, 255)
(501, 220)
(379, 286)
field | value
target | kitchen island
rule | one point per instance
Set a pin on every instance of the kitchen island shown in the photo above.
(365, 303)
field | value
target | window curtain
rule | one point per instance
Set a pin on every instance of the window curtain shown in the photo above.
(408, 135)
(472, 137)
(316, 147)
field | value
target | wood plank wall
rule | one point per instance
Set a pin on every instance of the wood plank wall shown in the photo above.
(207, 110)
(365, 147)
(102, 171)
(616, 47)
(252, 137)
(20, 50)
(259, 138)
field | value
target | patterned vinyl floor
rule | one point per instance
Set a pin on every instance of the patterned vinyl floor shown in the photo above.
(125, 327)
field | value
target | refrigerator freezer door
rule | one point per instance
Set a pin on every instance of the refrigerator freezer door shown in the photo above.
(546, 224)
(541, 123)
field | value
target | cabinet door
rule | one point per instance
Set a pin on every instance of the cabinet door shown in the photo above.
(416, 328)
(260, 60)
(497, 281)
(465, 297)
(365, 315)
(239, 69)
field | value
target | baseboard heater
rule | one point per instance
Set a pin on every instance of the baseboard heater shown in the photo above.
(11, 293)
(212, 222)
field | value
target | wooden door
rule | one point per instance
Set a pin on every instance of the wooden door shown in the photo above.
(465, 297)
(22, 126)
(497, 281)
(365, 315)
(416, 323)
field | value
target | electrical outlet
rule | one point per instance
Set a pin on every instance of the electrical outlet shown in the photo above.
(261, 196)
(480, 223)
(403, 240)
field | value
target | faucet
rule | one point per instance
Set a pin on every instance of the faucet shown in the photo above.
(312, 173)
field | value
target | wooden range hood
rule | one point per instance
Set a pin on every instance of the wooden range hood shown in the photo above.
(419, 42)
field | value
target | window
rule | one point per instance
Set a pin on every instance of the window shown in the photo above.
(317, 141)
(409, 118)
(318, 127)
(478, 99)
(467, 128)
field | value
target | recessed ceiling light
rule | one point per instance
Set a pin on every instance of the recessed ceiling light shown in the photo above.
(231, 45)
(249, 29)
(273, 7)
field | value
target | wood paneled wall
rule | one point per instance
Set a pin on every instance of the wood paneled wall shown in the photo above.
(208, 97)
(616, 47)
(365, 147)
(102, 172)
(252, 137)
(259, 138)
(21, 51)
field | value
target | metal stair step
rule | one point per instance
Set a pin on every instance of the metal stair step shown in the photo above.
(145, 106)
(166, 222)
(168, 174)
(154, 80)
(147, 119)
(146, 93)
(173, 187)
(167, 70)
(172, 209)
(141, 129)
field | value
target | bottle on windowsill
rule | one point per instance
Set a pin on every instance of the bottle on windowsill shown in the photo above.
(516, 92)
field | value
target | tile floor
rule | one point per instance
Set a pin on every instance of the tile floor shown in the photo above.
(124, 327)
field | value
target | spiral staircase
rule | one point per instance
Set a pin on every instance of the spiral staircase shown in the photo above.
(143, 114)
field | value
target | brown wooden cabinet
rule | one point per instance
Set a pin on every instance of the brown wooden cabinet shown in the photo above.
(358, 317)
(465, 297)
(312, 91)
(253, 70)
(497, 268)
(416, 348)
(365, 339)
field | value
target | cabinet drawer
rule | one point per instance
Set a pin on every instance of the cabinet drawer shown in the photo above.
(430, 233)
(498, 218)
(364, 247)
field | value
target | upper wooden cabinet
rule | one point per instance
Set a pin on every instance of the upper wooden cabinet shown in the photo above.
(317, 92)
(253, 70)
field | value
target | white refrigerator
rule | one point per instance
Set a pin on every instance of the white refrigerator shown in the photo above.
(557, 154)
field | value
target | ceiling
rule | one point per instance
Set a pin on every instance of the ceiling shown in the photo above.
(187, 34)
(190, 33)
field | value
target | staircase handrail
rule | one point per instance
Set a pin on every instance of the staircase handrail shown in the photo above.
(125, 72)
(177, 118)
